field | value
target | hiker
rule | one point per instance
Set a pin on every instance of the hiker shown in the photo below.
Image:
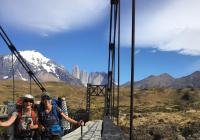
(24, 119)
(50, 115)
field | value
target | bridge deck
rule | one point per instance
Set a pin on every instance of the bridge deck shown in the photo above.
(111, 131)
(91, 131)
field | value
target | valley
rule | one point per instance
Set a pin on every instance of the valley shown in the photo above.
(165, 113)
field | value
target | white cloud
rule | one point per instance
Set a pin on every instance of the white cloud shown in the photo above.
(46, 16)
(171, 26)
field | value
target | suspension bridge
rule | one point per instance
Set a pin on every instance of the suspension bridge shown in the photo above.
(108, 128)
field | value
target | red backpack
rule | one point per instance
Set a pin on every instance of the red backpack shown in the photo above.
(19, 111)
(33, 116)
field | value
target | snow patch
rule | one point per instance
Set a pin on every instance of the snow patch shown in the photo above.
(38, 60)
(34, 57)
(24, 79)
(9, 58)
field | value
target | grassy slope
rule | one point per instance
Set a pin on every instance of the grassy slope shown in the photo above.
(157, 111)
(75, 95)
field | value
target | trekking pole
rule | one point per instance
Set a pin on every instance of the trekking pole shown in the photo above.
(81, 132)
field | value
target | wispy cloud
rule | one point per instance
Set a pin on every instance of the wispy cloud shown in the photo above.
(153, 51)
(137, 52)
(46, 16)
(170, 25)
(126, 18)
(194, 66)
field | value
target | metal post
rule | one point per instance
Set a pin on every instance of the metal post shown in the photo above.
(88, 101)
(132, 70)
(118, 63)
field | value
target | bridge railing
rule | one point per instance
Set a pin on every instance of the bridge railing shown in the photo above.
(6, 109)
(3, 110)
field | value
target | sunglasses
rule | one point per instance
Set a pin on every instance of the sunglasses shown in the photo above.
(28, 100)
(46, 98)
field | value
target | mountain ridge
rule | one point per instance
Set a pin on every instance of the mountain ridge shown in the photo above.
(167, 81)
(46, 70)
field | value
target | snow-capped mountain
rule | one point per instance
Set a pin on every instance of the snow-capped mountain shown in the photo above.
(44, 68)
(95, 78)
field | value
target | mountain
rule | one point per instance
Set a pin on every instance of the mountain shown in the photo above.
(126, 84)
(192, 80)
(44, 68)
(95, 78)
(98, 78)
(167, 81)
(84, 77)
(161, 81)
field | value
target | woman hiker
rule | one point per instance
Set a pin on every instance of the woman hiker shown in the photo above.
(24, 119)
(50, 117)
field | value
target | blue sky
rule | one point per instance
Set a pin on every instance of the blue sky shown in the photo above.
(76, 32)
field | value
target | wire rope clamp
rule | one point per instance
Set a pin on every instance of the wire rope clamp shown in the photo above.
(111, 46)
(114, 2)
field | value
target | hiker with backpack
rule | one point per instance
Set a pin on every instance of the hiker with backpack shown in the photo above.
(49, 118)
(24, 120)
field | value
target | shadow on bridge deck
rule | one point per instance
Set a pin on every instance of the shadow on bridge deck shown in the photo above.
(111, 131)
(93, 131)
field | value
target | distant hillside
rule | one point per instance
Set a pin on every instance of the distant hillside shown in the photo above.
(192, 80)
(167, 81)
(161, 81)
(75, 95)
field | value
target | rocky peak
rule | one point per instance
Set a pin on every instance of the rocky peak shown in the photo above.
(76, 71)
(95, 78)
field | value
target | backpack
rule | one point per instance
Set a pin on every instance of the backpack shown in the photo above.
(19, 108)
(19, 130)
(33, 116)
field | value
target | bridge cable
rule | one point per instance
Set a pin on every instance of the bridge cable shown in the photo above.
(132, 69)
(118, 63)
(13, 77)
(20, 58)
(30, 85)
(111, 58)
(109, 85)
(114, 40)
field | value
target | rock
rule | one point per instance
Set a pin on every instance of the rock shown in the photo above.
(76, 71)
(180, 137)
